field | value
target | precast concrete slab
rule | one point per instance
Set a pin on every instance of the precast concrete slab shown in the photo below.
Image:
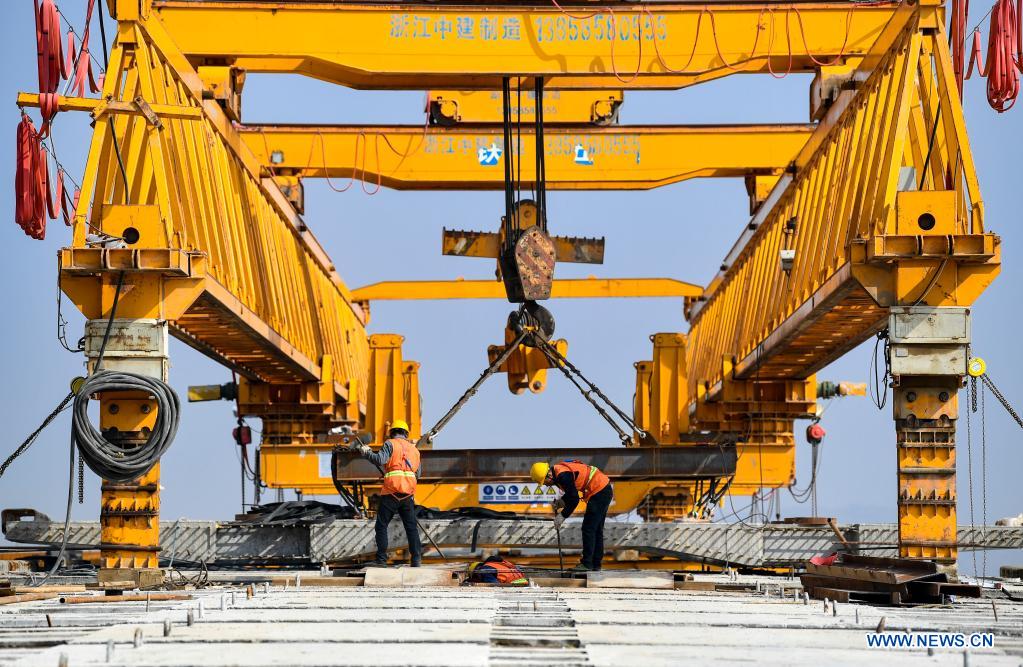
(310, 626)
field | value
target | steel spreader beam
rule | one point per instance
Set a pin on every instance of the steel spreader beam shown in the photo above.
(620, 463)
(578, 157)
(581, 288)
(593, 45)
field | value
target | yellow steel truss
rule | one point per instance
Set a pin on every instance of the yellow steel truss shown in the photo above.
(876, 215)
(195, 180)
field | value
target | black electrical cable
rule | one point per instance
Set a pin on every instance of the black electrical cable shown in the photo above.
(509, 194)
(122, 462)
(930, 147)
(541, 163)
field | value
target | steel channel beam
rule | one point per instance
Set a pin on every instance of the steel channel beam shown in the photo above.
(619, 463)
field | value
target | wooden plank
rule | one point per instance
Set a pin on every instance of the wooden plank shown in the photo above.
(935, 589)
(327, 582)
(27, 597)
(387, 577)
(56, 588)
(817, 581)
(834, 594)
(640, 579)
(867, 573)
(695, 586)
(558, 582)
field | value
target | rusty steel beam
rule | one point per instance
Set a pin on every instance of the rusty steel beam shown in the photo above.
(512, 465)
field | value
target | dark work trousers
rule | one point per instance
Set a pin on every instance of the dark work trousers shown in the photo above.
(593, 527)
(387, 507)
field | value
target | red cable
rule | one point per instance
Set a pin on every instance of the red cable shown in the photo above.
(788, 42)
(1004, 60)
(845, 42)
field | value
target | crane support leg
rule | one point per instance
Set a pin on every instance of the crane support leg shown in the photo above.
(928, 351)
(130, 512)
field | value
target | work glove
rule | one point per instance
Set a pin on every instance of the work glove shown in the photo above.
(558, 520)
(558, 505)
(364, 450)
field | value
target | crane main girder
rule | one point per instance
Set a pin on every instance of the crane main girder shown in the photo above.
(577, 158)
(471, 47)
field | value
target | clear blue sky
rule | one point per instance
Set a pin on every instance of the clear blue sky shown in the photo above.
(682, 231)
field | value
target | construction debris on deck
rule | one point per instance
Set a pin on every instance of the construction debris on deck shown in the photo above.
(888, 580)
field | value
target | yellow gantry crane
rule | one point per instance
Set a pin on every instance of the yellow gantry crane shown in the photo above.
(869, 219)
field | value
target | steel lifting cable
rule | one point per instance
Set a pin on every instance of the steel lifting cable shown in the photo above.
(569, 369)
(471, 391)
(622, 435)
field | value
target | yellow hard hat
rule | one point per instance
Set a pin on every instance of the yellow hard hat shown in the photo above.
(400, 424)
(538, 472)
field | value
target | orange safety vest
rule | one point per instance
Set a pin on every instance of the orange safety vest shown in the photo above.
(588, 479)
(400, 469)
(508, 574)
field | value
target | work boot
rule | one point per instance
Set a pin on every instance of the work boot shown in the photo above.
(417, 563)
(377, 563)
(581, 567)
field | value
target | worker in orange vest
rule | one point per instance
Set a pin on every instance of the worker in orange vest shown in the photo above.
(496, 570)
(576, 479)
(399, 460)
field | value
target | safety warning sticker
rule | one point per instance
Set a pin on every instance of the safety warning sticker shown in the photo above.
(517, 494)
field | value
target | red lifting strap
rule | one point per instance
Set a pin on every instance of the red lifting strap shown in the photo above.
(50, 57)
(1004, 55)
(83, 68)
(33, 200)
(30, 188)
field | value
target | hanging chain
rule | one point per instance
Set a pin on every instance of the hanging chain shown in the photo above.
(983, 479)
(81, 478)
(969, 465)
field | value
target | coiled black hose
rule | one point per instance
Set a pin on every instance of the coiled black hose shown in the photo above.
(118, 462)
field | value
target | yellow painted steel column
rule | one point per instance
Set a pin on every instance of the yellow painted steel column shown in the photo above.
(669, 388)
(926, 411)
(392, 382)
